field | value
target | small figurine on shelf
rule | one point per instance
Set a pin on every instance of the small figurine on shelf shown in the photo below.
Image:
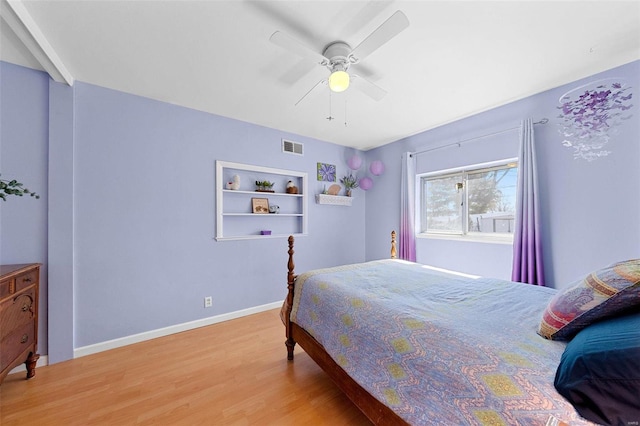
(291, 188)
(235, 184)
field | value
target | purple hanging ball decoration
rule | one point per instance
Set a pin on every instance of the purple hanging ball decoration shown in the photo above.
(366, 183)
(376, 168)
(354, 162)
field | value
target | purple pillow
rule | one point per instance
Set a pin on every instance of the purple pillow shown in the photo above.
(601, 294)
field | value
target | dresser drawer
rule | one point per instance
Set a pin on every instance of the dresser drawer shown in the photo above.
(26, 279)
(15, 343)
(16, 311)
(19, 317)
(7, 287)
(18, 282)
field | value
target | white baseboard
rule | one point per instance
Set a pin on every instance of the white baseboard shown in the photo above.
(153, 334)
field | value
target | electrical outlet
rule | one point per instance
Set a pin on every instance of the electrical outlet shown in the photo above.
(208, 302)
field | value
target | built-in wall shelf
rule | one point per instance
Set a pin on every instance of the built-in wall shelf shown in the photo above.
(336, 200)
(235, 219)
(256, 193)
(262, 217)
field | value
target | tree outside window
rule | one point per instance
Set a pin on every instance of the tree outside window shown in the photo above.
(480, 201)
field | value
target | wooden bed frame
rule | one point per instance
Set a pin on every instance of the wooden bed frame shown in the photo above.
(376, 411)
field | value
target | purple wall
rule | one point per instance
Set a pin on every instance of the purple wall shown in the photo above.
(144, 201)
(131, 227)
(590, 209)
(24, 124)
(61, 222)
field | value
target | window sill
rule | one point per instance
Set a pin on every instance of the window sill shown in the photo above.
(494, 239)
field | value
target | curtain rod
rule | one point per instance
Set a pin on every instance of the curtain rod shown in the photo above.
(543, 121)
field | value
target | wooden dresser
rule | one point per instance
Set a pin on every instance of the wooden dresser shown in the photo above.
(19, 317)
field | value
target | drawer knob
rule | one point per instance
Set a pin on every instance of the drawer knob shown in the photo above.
(24, 339)
(26, 280)
(25, 308)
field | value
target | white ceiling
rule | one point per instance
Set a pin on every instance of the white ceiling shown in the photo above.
(455, 59)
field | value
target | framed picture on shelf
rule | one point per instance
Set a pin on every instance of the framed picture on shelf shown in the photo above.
(260, 205)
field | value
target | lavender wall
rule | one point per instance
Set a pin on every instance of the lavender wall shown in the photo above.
(61, 222)
(145, 256)
(23, 156)
(590, 209)
(131, 245)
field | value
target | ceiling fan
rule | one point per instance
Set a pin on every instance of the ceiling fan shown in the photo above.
(338, 56)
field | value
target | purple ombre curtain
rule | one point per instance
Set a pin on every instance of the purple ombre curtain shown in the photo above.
(527, 239)
(407, 237)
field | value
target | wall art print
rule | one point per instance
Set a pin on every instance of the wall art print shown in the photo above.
(326, 172)
(592, 114)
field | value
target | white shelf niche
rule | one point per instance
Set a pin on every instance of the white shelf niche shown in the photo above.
(293, 222)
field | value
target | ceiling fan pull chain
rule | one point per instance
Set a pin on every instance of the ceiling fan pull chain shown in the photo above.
(329, 117)
(345, 112)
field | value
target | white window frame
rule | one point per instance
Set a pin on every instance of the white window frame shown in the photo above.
(465, 234)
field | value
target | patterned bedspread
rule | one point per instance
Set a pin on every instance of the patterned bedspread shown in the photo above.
(437, 348)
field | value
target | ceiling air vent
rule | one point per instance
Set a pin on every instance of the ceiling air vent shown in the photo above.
(292, 147)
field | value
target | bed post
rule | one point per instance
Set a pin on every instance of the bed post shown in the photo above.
(290, 343)
(393, 245)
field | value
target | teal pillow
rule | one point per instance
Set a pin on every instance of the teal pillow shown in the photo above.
(599, 372)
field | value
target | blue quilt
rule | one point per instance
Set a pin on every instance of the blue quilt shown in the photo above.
(438, 348)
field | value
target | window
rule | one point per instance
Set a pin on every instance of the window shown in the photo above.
(476, 201)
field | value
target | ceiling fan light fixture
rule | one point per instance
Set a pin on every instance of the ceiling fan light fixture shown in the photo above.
(339, 81)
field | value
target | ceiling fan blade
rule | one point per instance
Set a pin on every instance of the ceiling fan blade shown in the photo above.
(296, 72)
(315, 89)
(390, 28)
(287, 42)
(370, 89)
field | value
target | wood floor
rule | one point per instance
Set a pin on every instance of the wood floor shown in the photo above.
(232, 373)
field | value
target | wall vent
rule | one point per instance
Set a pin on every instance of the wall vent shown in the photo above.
(292, 147)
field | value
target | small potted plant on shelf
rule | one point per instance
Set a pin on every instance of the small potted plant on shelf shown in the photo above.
(13, 187)
(264, 186)
(350, 183)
